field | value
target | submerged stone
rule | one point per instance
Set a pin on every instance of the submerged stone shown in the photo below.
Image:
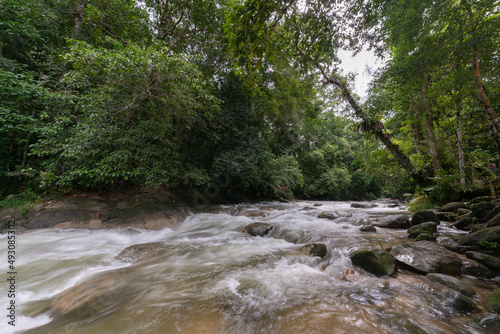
(452, 283)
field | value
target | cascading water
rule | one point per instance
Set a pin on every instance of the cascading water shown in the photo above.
(209, 277)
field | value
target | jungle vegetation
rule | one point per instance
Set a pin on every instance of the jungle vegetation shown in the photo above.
(246, 99)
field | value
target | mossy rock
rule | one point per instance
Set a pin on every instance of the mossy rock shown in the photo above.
(375, 262)
(481, 210)
(454, 206)
(494, 300)
(426, 236)
(428, 227)
(424, 216)
(491, 234)
(452, 283)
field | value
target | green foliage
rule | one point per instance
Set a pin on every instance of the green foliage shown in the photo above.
(23, 200)
(126, 124)
(422, 202)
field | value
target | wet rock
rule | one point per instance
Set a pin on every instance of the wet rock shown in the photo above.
(452, 283)
(394, 221)
(426, 236)
(454, 206)
(253, 213)
(464, 223)
(258, 229)
(494, 221)
(491, 235)
(316, 249)
(492, 213)
(376, 262)
(481, 199)
(424, 216)
(88, 296)
(307, 208)
(427, 257)
(480, 210)
(454, 301)
(489, 323)
(368, 228)
(135, 253)
(317, 204)
(428, 227)
(463, 212)
(334, 215)
(452, 245)
(492, 262)
(363, 205)
(476, 269)
(494, 300)
(447, 216)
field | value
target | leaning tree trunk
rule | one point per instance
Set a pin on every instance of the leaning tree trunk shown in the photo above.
(377, 129)
(78, 19)
(429, 126)
(483, 97)
(461, 155)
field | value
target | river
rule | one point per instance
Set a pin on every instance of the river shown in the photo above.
(212, 278)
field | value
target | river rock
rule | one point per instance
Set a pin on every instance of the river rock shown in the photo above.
(491, 235)
(492, 213)
(454, 206)
(492, 262)
(447, 216)
(427, 257)
(452, 245)
(476, 269)
(424, 216)
(452, 283)
(363, 205)
(480, 210)
(428, 227)
(376, 262)
(332, 215)
(494, 221)
(454, 301)
(253, 213)
(135, 253)
(426, 236)
(368, 228)
(494, 300)
(87, 296)
(258, 229)
(464, 223)
(393, 221)
(481, 199)
(489, 323)
(316, 249)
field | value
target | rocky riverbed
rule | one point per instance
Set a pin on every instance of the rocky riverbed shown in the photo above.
(153, 264)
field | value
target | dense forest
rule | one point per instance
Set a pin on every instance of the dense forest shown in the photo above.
(233, 100)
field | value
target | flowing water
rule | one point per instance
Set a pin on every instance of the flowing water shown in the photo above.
(212, 278)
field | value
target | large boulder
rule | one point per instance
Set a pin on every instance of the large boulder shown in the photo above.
(427, 257)
(393, 221)
(424, 216)
(454, 206)
(258, 229)
(332, 215)
(452, 283)
(476, 269)
(377, 262)
(492, 213)
(490, 235)
(492, 262)
(428, 227)
(494, 221)
(481, 210)
(464, 223)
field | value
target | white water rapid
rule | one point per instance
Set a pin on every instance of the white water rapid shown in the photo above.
(212, 278)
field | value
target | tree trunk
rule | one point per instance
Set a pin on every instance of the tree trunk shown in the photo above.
(429, 126)
(461, 155)
(78, 19)
(416, 129)
(377, 129)
(483, 97)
